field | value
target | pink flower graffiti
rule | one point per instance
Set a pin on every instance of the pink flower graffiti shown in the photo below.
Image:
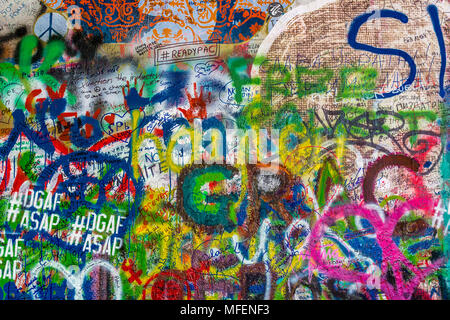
(391, 254)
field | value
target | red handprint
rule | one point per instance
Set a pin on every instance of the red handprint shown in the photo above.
(197, 106)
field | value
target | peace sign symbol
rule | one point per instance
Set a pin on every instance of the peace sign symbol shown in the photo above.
(50, 24)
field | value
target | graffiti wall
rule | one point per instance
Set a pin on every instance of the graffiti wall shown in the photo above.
(224, 150)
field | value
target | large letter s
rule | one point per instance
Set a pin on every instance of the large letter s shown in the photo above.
(384, 13)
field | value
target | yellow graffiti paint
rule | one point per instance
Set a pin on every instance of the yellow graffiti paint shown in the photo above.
(173, 142)
(135, 154)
